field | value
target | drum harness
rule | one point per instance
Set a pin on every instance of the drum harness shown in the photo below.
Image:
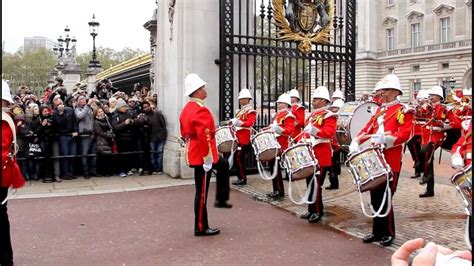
(261, 170)
(387, 197)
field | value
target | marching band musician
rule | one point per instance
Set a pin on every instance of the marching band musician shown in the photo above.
(462, 156)
(321, 124)
(283, 124)
(298, 110)
(391, 126)
(11, 175)
(432, 135)
(244, 120)
(197, 130)
(335, 170)
(414, 144)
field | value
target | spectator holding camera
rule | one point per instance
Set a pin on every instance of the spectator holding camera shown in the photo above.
(85, 118)
(104, 139)
(65, 122)
(45, 131)
(123, 125)
(156, 122)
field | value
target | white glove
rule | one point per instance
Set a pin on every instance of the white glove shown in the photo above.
(353, 147)
(446, 126)
(207, 165)
(236, 122)
(276, 128)
(377, 139)
(310, 129)
(457, 161)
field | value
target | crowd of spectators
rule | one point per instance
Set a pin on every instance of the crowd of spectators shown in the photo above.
(105, 132)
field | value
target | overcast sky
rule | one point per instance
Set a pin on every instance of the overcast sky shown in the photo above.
(121, 22)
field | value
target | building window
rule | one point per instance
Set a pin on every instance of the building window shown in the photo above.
(390, 2)
(444, 30)
(416, 86)
(444, 65)
(390, 70)
(415, 35)
(390, 39)
(416, 68)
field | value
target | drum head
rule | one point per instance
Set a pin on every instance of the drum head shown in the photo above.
(360, 117)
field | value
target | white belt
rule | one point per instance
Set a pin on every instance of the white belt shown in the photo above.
(316, 141)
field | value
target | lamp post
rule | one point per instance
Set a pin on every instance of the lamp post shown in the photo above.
(452, 83)
(94, 31)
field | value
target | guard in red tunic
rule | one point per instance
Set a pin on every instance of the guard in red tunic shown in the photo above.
(197, 131)
(320, 128)
(244, 120)
(462, 156)
(11, 175)
(414, 144)
(335, 169)
(298, 110)
(433, 135)
(283, 125)
(390, 127)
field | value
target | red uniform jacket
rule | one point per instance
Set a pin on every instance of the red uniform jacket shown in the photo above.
(432, 131)
(286, 121)
(198, 129)
(248, 117)
(325, 121)
(465, 142)
(422, 113)
(397, 123)
(298, 111)
(11, 174)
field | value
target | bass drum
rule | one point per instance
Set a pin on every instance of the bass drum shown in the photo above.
(452, 136)
(353, 116)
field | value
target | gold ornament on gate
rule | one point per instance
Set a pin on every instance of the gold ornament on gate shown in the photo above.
(304, 21)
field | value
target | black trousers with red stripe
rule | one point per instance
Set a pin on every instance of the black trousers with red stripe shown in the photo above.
(384, 226)
(277, 182)
(202, 179)
(239, 161)
(6, 251)
(428, 167)
(317, 206)
(414, 146)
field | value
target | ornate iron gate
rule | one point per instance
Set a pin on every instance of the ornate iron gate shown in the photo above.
(253, 54)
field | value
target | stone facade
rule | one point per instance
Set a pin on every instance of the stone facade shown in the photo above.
(432, 42)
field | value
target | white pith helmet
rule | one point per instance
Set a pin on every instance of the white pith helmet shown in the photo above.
(192, 82)
(245, 94)
(6, 95)
(337, 103)
(295, 93)
(284, 98)
(338, 94)
(321, 92)
(422, 94)
(437, 90)
(390, 81)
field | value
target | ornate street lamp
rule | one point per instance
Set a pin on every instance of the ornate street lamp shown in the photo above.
(94, 31)
(452, 83)
(60, 44)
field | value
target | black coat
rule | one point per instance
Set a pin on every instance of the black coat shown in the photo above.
(123, 132)
(104, 136)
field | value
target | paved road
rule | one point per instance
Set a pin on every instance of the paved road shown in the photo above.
(154, 227)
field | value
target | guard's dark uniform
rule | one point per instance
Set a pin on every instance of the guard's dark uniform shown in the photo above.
(198, 129)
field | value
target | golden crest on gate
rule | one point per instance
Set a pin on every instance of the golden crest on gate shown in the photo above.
(304, 21)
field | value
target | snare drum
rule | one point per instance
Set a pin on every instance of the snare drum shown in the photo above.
(462, 180)
(300, 161)
(225, 139)
(265, 146)
(369, 168)
(353, 116)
